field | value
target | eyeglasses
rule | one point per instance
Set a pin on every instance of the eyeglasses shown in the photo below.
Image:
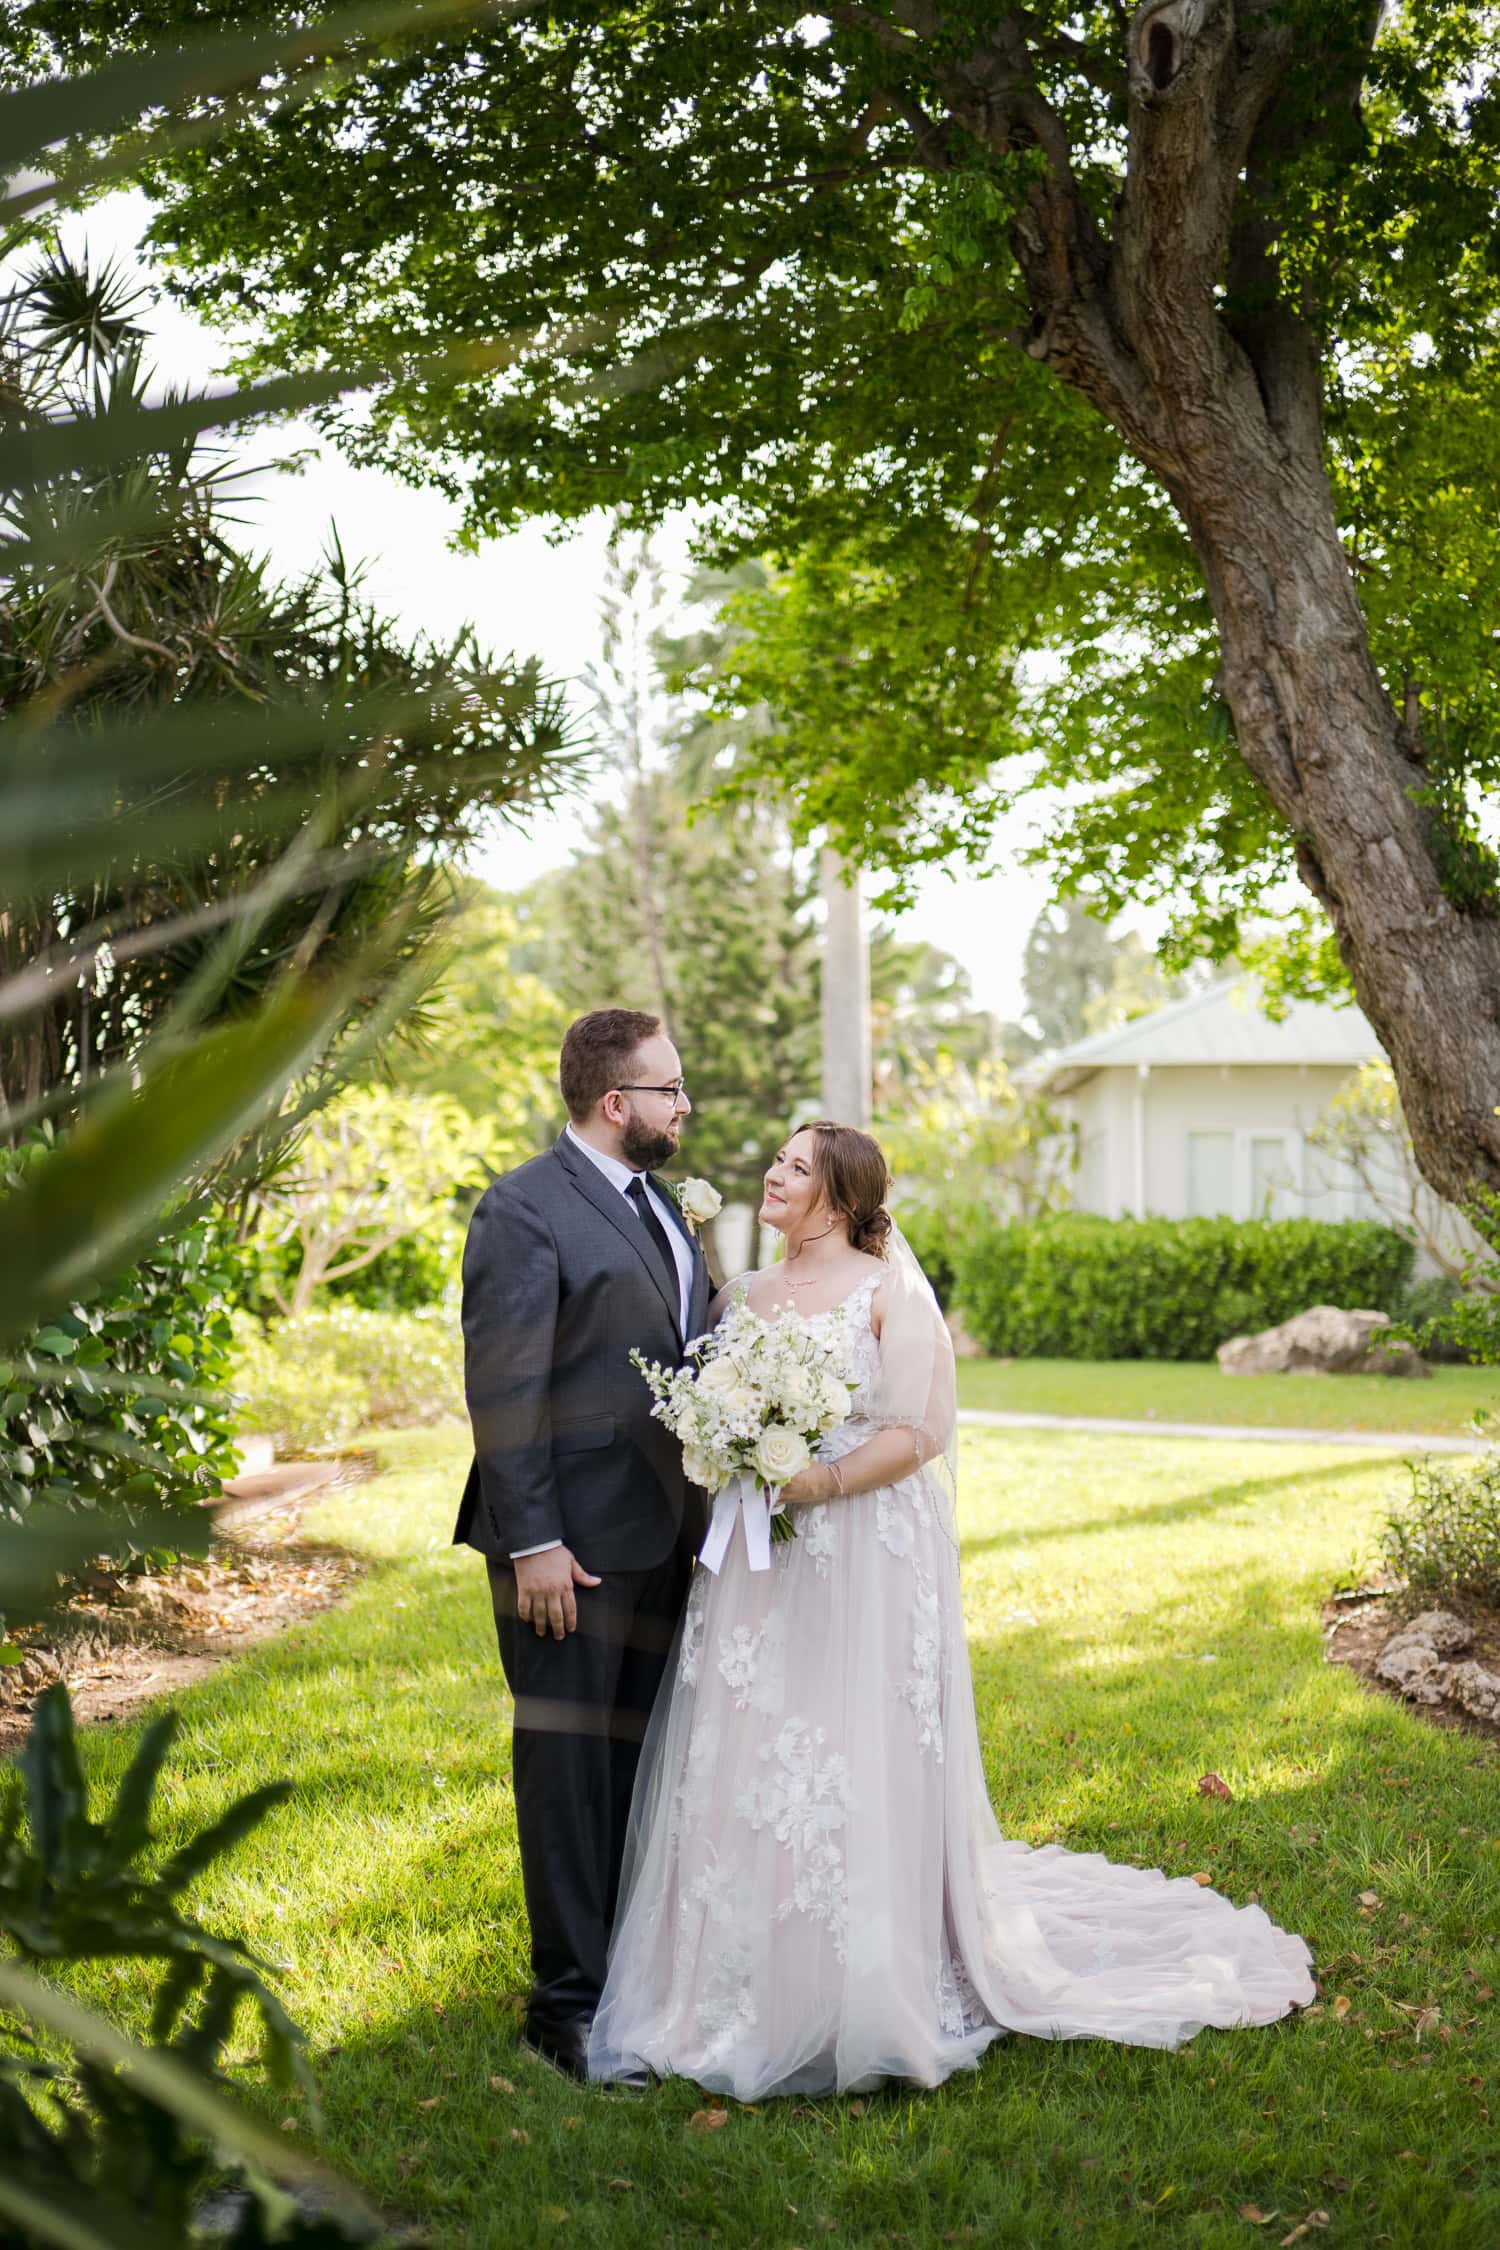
(677, 1089)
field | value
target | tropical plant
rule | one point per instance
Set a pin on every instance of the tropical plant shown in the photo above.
(373, 1168)
(115, 2144)
(1161, 339)
(346, 781)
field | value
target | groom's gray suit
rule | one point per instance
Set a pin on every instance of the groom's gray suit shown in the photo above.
(561, 1280)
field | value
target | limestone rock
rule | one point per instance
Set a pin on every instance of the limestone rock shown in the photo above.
(1323, 1341)
(1476, 1689)
(1415, 1661)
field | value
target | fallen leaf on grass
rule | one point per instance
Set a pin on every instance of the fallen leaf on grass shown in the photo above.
(1342, 2005)
(433, 2101)
(1336, 2184)
(1203, 1880)
(501, 2086)
(621, 2187)
(1369, 1898)
(1296, 2235)
(708, 2120)
(1213, 1785)
(1254, 2213)
(519, 2137)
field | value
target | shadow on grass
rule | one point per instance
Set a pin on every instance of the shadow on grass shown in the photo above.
(1188, 1508)
(407, 1939)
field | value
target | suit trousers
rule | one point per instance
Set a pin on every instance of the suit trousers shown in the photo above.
(581, 1706)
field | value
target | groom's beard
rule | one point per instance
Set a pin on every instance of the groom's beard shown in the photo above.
(641, 1146)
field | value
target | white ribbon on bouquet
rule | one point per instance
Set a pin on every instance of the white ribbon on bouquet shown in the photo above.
(745, 1496)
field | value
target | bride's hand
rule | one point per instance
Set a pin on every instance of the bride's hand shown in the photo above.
(811, 1483)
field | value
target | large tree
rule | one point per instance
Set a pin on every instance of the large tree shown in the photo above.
(1205, 288)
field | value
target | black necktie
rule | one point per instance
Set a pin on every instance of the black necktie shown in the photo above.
(636, 1192)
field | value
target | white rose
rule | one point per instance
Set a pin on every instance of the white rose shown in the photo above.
(700, 1202)
(740, 1401)
(700, 1469)
(833, 1403)
(718, 1375)
(780, 1453)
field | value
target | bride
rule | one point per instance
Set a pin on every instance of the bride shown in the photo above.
(815, 1895)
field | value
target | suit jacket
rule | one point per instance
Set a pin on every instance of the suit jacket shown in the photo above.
(561, 1280)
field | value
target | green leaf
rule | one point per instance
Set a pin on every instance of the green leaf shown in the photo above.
(129, 1824)
(163, 2078)
(54, 1343)
(56, 1794)
(99, 1195)
(242, 1817)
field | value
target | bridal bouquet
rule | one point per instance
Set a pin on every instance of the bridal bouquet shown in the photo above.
(747, 1410)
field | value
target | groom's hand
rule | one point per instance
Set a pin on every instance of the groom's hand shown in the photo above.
(544, 1591)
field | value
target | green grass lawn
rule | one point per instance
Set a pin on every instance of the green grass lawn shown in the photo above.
(1164, 1390)
(1141, 1612)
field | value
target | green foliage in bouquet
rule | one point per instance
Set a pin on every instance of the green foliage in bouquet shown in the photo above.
(1078, 1287)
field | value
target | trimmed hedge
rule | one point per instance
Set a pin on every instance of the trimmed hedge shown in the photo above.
(1077, 1287)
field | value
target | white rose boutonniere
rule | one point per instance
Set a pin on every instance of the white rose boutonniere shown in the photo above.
(699, 1201)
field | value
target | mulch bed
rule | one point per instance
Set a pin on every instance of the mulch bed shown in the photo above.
(1357, 1625)
(122, 1642)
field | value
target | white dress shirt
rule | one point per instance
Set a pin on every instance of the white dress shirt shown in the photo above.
(619, 1177)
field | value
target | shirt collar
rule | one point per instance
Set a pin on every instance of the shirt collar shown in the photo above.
(618, 1175)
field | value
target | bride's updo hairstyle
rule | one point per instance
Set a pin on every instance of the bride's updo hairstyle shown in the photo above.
(850, 1168)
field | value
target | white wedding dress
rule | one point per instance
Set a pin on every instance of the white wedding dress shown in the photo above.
(816, 1896)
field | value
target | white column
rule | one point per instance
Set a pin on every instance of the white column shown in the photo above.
(1142, 1073)
(846, 996)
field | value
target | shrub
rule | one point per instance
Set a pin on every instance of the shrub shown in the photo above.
(410, 1276)
(1446, 1322)
(92, 1407)
(934, 1231)
(1445, 1538)
(312, 1383)
(1077, 1287)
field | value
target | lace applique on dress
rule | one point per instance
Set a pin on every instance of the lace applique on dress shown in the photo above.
(690, 1656)
(923, 1687)
(818, 1537)
(692, 1793)
(803, 1798)
(752, 1663)
(724, 2007)
(959, 2008)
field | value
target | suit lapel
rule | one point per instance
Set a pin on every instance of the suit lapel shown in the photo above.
(698, 1286)
(611, 1205)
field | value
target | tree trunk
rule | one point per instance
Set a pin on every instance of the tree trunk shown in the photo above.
(846, 995)
(1178, 330)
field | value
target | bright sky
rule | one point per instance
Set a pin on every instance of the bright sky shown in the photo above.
(526, 596)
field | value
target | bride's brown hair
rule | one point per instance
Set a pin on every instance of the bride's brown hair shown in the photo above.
(850, 1168)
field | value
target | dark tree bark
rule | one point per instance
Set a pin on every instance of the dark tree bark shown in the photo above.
(1177, 329)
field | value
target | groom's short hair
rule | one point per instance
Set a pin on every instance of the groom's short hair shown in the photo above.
(597, 1053)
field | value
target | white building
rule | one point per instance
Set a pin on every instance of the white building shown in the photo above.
(1203, 1108)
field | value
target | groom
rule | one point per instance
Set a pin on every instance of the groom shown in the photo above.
(576, 1497)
